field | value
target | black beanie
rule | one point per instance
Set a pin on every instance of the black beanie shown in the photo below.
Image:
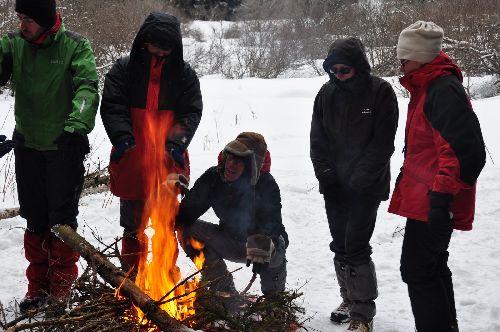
(43, 12)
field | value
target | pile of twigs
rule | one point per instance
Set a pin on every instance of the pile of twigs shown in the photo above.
(93, 306)
(276, 313)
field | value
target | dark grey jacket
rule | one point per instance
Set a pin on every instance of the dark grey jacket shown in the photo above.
(243, 210)
(353, 127)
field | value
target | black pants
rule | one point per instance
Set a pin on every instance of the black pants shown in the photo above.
(220, 246)
(131, 215)
(351, 218)
(49, 187)
(424, 268)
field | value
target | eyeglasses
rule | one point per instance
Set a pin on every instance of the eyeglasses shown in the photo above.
(233, 158)
(403, 62)
(342, 71)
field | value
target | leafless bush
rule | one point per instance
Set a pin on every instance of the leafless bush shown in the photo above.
(232, 32)
(110, 25)
(265, 49)
(277, 36)
(189, 32)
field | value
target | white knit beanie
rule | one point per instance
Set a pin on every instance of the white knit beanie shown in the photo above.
(420, 42)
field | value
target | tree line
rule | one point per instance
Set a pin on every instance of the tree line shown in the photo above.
(268, 38)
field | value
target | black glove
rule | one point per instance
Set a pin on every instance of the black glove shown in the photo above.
(5, 145)
(327, 177)
(260, 249)
(122, 146)
(72, 145)
(175, 153)
(439, 218)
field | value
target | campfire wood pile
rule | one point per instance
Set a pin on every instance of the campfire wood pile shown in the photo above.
(94, 305)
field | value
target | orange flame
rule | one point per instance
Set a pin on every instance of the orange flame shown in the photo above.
(158, 273)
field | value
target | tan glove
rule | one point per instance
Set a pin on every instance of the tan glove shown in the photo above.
(260, 249)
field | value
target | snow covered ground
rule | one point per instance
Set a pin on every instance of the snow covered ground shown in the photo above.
(280, 109)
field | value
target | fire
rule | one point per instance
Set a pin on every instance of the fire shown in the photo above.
(158, 273)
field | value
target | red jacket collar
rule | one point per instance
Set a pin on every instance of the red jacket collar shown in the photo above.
(420, 79)
(49, 32)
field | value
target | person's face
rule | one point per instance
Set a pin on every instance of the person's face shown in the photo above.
(233, 168)
(407, 66)
(29, 28)
(158, 52)
(342, 72)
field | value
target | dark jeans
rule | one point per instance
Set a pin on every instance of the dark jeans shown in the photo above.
(220, 245)
(351, 218)
(49, 187)
(424, 268)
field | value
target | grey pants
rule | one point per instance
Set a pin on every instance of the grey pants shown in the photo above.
(219, 245)
(351, 217)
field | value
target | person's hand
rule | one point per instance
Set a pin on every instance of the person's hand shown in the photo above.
(72, 145)
(260, 249)
(439, 217)
(327, 177)
(175, 153)
(122, 146)
(5, 145)
(176, 183)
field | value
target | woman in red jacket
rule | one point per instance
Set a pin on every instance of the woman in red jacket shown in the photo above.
(444, 154)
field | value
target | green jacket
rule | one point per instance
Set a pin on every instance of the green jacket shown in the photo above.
(55, 86)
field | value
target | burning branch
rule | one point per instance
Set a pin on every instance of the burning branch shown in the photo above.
(116, 278)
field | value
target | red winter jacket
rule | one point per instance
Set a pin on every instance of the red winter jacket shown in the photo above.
(155, 103)
(444, 148)
(131, 178)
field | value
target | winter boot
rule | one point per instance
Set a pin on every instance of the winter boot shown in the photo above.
(63, 269)
(341, 314)
(36, 251)
(31, 303)
(359, 326)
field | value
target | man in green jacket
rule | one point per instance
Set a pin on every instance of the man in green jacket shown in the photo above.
(53, 75)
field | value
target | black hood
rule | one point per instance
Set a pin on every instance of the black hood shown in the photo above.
(350, 52)
(162, 30)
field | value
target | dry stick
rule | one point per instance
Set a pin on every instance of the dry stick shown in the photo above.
(161, 301)
(31, 313)
(52, 322)
(114, 276)
(254, 276)
(177, 286)
(92, 326)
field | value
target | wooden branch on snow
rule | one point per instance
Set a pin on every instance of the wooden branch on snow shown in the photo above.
(93, 184)
(114, 276)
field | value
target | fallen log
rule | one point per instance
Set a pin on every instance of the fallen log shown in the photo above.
(116, 278)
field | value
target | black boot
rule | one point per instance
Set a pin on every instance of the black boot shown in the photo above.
(341, 314)
(31, 303)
